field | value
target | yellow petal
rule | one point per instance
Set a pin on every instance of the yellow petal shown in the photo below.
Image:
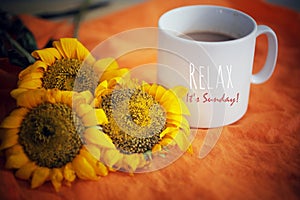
(31, 98)
(93, 150)
(39, 176)
(77, 100)
(30, 84)
(190, 149)
(15, 118)
(72, 48)
(38, 66)
(57, 94)
(153, 89)
(99, 138)
(8, 131)
(185, 129)
(32, 76)
(182, 141)
(176, 118)
(12, 122)
(173, 107)
(184, 108)
(83, 169)
(160, 91)
(21, 112)
(103, 84)
(101, 116)
(9, 139)
(60, 49)
(119, 164)
(168, 97)
(185, 126)
(16, 161)
(172, 134)
(69, 173)
(99, 167)
(87, 95)
(173, 103)
(102, 93)
(105, 64)
(47, 55)
(114, 81)
(156, 148)
(111, 157)
(168, 130)
(82, 53)
(96, 103)
(69, 46)
(107, 75)
(50, 96)
(83, 109)
(16, 92)
(4, 131)
(28, 70)
(180, 91)
(16, 149)
(67, 98)
(90, 118)
(26, 171)
(94, 117)
(56, 177)
(100, 88)
(131, 162)
(146, 87)
(88, 59)
(166, 141)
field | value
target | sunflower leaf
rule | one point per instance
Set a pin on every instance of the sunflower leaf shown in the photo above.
(16, 58)
(17, 42)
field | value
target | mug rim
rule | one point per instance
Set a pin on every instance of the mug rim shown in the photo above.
(172, 11)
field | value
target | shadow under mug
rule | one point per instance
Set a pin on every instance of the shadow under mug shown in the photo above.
(217, 73)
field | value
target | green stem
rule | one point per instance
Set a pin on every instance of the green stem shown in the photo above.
(20, 48)
(78, 17)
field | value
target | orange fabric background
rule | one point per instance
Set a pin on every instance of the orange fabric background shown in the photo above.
(257, 157)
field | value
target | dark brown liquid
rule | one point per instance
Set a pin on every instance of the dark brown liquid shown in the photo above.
(207, 36)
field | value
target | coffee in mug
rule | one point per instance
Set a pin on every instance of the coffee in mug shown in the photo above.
(206, 36)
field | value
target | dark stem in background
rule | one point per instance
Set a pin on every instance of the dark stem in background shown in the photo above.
(19, 48)
(78, 17)
(16, 40)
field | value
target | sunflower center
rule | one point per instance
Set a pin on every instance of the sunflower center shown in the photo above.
(70, 74)
(135, 120)
(51, 135)
(47, 131)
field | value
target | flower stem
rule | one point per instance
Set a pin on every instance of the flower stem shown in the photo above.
(20, 48)
(78, 17)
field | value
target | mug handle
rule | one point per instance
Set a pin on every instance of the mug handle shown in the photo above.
(265, 73)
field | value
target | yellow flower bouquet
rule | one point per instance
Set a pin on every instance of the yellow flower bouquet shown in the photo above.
(78, 117)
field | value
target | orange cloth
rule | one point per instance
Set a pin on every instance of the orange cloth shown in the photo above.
(257, 157)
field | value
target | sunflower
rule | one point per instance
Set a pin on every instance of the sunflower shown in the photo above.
(67, 66)
(43, 137)
(142, 119)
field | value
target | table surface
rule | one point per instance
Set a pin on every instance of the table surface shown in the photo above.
(257, 157)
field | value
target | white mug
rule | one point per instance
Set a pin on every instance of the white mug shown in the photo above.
(217, 73)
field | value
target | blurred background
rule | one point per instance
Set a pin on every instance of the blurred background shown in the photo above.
(58, 9)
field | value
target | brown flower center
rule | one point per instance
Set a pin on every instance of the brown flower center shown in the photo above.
(51, 135)
(70, 74)
(135, 120)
